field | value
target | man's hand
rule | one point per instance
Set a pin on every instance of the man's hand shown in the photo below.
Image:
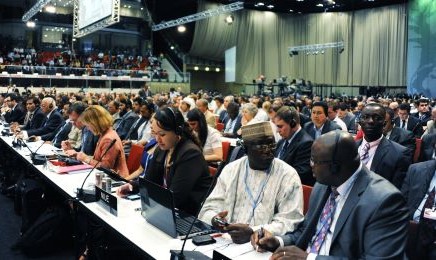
(66, 145)
(289, 252)
(267, 243)
(71, 153)
(124, 190)
(240, 233)
(220, 216)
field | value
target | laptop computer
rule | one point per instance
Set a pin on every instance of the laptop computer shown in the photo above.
(158, 209)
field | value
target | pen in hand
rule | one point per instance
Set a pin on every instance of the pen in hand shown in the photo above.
(260, 235)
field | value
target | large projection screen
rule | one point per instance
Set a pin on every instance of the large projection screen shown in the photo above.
(91, 16)
(230, 63)
(93, 11)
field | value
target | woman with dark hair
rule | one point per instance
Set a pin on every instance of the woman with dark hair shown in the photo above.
(178, 162)
(210, 138)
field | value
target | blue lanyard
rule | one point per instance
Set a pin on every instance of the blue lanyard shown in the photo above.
(144, 172)
(255, 202)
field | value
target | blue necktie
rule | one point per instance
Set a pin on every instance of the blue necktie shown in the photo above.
(283, 150)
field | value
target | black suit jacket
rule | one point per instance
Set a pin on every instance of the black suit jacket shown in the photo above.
(413, 125)
(37, 120)
(189, 189)
(127, 121)
(391, 160)
(328, 126)
(16, 115)
(427, 147)
(133, 131)
(373, 223)
(416, 184)
(405, 138)
(297, 155)
(61, 134)
(49, 126)
(424, 119)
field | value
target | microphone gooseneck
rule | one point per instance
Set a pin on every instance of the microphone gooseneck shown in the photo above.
(80, 191)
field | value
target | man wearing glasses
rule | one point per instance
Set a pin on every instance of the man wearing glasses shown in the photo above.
(354, 213)
(255, 191)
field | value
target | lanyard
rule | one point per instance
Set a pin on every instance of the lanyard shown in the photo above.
(255, 202)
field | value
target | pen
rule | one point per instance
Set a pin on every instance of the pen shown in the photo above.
(260, 235)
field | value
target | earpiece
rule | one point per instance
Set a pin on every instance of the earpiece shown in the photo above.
(293, 123)
(335, 166)
(179, 125)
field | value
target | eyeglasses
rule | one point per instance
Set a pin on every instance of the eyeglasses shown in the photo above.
(313, 162)
(263, 146)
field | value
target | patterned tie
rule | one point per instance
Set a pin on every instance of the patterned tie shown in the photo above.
(283, 150)
(325, 221)
(426, 226)
(364, 153)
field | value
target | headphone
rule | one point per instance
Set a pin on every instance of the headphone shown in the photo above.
(335, 166)
(179, 125)
(292, 123)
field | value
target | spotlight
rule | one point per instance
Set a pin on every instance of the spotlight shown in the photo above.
(217, 69)
(207, 69)
(172, 47)
(181, 28)
(50, 9)
(229, 19)
(196, 68)
(30, 24)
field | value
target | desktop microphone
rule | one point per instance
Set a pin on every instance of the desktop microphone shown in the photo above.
(195, 255)
(36, 160)
(90, 197)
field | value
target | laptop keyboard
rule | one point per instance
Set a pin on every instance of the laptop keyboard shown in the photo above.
(184, 224)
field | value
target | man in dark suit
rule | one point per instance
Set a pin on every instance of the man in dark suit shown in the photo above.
(320, 123)
(233, 122)
(404, 120)
(295, 146)
(423, 114)
(354, 213)
(53, 120)
(16, 112)
(127, 119)
(380, 155)
(417, 188)
(348, 117)
(427, 147)
(398, 135)
(35, 115)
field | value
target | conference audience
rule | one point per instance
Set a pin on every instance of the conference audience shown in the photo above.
(99, 122)
(128, 117)
(210, 138)
(52, 121)
(430, 127)
(353, 214)
(320, 124)
(203, 106)
(404, 120)
(398, 135)
(178, 162)
(13, 112)
(294, 147)
(419, 190)
(255, 191)
(378, 153)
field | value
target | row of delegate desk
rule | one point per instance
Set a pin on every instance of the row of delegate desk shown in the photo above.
(129, 224)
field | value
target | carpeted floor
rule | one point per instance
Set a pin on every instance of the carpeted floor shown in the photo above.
(10, 224)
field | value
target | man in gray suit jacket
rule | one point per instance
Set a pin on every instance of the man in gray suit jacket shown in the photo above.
(353, 214)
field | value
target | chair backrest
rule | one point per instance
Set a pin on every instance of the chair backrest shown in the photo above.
(306, 195)
(417, 150)
(219, 127)
(226, 149)
(134, 159)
